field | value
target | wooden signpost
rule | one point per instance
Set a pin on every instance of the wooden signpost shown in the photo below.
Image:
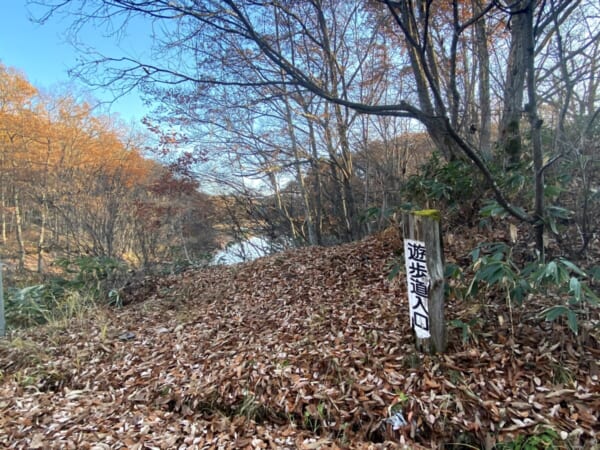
(424, 261)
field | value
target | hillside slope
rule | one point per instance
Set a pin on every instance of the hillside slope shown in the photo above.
(306, 349)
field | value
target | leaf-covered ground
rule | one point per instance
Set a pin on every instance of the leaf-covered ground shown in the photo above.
(307, 349)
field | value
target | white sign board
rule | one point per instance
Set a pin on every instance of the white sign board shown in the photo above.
(417, 278)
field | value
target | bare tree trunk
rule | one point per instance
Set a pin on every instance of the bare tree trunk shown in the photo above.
(345, 165)
(594, 81)
(347, 172)
(183, 243)
(317, 185)
(341, 207)
(40, 247)
(3, 200)
(483, 56)
(308, 217)
(535, 124)
(425, 69)
(19, 231)
(3, 210)
(281, 206)
(299, 175)
(510, 123)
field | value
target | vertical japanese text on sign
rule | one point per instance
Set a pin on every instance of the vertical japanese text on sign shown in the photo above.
(417, 278)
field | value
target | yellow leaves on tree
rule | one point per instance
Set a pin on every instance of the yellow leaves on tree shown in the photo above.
(58, 136)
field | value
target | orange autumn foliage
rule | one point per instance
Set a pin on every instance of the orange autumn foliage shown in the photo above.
(61, 162)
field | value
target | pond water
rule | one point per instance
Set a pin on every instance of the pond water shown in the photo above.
(247, 250)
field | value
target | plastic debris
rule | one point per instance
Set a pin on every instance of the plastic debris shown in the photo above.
(127, 336)
(397, 421)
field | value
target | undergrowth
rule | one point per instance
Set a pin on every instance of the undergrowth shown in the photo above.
(85, 283)
(495, 270)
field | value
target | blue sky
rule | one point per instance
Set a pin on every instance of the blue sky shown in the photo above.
(43, 55)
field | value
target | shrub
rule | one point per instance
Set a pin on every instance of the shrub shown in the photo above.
(86, 282)
(494, 268)
(451, 186)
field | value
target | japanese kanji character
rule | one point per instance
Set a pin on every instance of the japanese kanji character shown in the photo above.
(421, 321)
(419, 288)
(416, 252)
(419, 304)
(417, 269)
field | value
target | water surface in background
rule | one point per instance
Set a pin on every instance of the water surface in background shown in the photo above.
(247, 250)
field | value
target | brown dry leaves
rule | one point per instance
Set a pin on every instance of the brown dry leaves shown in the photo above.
(307, 349)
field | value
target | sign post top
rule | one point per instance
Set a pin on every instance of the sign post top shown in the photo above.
(431, 213)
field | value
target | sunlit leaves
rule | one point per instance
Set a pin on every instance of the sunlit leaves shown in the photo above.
(85, 173)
